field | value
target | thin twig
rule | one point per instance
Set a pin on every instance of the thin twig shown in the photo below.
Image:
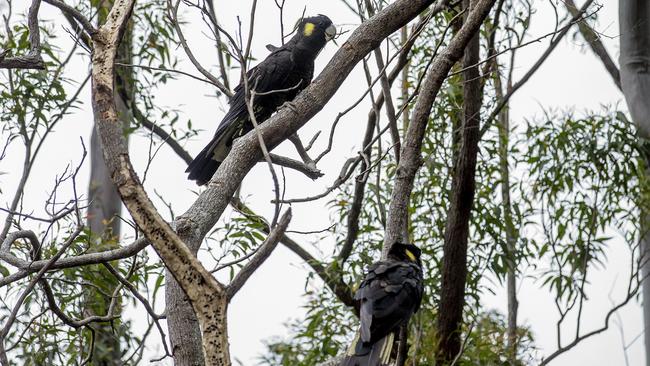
(265, 250)
(85, 23)
(173, 15)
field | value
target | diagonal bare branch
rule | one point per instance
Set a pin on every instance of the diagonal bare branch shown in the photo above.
(266, 248)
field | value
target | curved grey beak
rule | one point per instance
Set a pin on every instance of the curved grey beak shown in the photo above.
(330, 32)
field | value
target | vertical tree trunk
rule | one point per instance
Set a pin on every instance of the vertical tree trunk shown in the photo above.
(634, 19)
(510, 232)
(184, 331)
(105, 205)
(454, 262)
(103, 221)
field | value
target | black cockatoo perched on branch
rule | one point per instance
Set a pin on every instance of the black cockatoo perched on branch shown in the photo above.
(388, 296)
(276, 80)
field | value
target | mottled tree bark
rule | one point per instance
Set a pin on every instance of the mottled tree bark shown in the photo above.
(207, 295)
(454, 262)
(634, 19)
(103, 221)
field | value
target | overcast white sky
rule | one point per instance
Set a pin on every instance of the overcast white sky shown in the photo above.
(571, 78)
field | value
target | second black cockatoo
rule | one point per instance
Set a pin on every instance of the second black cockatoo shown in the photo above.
(276, 80)
(388, 296)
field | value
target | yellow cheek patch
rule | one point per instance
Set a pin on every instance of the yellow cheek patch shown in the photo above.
(410, 255)
(309, 29)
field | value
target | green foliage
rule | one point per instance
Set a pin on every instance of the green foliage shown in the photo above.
(575, 186)
(587, 180)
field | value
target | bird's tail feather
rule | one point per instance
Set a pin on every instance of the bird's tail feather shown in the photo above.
(206, 163)
(377, 354)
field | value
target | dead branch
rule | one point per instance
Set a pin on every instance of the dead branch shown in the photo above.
(33, 59)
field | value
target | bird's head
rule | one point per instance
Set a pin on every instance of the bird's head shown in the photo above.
(313, 33)
(405, 252)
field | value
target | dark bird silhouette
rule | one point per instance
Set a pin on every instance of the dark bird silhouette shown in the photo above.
(388, 296)
(276, 80)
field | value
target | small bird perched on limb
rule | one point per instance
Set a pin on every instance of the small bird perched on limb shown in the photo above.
(276, 80)
(388, 296)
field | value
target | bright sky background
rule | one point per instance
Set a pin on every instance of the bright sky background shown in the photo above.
(571, 78)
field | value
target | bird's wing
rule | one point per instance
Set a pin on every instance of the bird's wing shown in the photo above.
(389, 295)
(266, 77)
(263, 78)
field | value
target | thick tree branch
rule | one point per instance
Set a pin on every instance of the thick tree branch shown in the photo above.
(206, 295)
(27, 268)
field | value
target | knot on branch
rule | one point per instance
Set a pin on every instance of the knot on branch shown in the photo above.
(183, 226)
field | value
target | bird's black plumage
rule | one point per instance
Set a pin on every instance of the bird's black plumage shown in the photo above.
(388, 296)
(276, 80)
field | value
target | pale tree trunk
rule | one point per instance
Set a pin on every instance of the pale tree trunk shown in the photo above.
(634, 19)
(103, 218)
(105, 205)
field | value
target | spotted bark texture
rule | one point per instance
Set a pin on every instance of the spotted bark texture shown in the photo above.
(206, 295)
